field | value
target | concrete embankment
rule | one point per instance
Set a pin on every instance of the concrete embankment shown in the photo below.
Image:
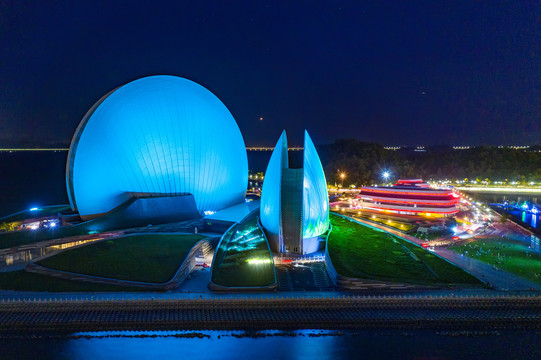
(476, 313)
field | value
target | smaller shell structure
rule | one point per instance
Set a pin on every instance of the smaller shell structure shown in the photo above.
(294, 202)
(157, 136)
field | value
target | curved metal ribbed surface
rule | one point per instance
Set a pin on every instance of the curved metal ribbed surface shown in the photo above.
(270, 193)
(280, 205)
(157, 135)
(315, 215)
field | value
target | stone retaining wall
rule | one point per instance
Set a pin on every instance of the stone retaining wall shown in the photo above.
(415, 312)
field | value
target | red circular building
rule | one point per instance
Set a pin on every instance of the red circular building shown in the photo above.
(409, 197)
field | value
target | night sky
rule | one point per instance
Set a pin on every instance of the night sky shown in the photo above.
(393, 72)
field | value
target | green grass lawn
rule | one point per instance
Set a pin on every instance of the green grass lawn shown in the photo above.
(507, 254)
(25, 281)
(243, 258)
(359, 251)
(153, 258)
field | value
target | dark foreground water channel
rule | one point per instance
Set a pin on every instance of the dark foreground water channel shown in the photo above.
(306, 344)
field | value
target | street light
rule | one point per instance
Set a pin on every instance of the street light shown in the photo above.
(386, 175)
(342, 176)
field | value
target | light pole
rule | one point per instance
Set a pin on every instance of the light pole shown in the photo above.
(342, 176)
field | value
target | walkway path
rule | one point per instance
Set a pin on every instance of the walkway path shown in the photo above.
(499, 279)
(16, 258)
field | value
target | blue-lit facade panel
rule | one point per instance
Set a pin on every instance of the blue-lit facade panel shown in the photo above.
(315, 216)
(161, 135)
(270, 195)
(293, 223)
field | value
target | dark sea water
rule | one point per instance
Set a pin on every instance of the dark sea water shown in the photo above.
(533, 220)
(429, 345)
(33, 179)
(30, 179)
(500, 198)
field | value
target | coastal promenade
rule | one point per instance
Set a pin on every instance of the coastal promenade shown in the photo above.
(255, 313)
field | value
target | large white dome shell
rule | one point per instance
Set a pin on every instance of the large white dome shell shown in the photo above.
(161, 135)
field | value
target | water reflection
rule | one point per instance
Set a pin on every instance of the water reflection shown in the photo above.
(526, 217)
(534, 244)
(301, 344)
(500, 198)
(304, 344)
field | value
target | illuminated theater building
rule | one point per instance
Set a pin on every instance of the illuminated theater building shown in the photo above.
(160, 149)
(409, 197)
